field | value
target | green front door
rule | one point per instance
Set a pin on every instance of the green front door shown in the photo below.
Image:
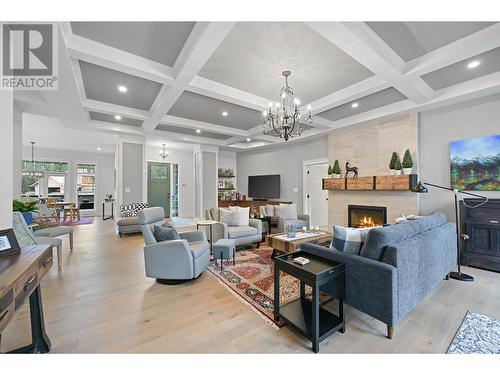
(159, 186)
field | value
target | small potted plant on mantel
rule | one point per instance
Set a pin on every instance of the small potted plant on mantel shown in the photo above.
(407, 162)
(392, 163)
(330, 171)
(26, 208)
(398, 167)
(336, 169)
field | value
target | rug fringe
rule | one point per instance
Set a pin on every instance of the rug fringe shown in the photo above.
(259, 313)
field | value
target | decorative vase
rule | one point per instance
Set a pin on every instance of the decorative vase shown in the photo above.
(28, 217)
(407, 171)
(336, 176)
(393, 171)
(398, 172)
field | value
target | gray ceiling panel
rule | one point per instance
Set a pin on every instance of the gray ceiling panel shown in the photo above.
(102, 84)
(413, 39)
(111, 118)
(203, 108)
(367, 103)
(157, 41)
(253, 55)
(189, 131)
(459, 72)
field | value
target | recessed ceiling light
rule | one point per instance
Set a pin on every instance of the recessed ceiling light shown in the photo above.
(355, 105)
(224, 114)
(118, 117)
(473, 64)
(122, 88)
(248, 139)
(99, 149)
(198, 131)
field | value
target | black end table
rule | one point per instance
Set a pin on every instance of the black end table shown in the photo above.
(309, 318)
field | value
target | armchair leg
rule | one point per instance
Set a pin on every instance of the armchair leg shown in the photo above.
(59, 258)
(71, 241)
(447, 277)
(390, 331)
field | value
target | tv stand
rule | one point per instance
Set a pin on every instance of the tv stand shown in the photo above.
(260, 199)
(253, 204)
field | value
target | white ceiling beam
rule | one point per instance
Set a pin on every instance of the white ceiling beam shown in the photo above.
(213, 89)
(359, 41)
(113, 58)
(267, 138)
(114, 109)
(200, 45)
(233, 140)
(186, 138)
(469, 46)
(207, 126)
(115, 128)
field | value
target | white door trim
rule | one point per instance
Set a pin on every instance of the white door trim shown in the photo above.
(305, 165)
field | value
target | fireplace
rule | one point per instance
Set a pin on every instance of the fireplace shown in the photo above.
(366, 216)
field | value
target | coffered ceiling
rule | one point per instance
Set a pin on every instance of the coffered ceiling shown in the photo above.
(209, 82)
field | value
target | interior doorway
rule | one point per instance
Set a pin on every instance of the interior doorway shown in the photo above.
(315, 198)
(159, 186)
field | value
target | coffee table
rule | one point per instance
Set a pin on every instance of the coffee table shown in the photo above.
(283, 245)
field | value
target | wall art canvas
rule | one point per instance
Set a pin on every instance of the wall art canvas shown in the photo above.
(475, 164)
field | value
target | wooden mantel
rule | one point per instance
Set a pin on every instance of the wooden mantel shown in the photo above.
(382, 183)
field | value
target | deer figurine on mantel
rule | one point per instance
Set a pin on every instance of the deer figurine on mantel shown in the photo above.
(348, 169)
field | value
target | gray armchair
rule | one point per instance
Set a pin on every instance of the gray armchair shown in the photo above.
(244, 235)
(301, 221)
(172, 262)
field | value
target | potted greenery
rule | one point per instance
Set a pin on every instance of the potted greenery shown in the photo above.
(336, 169)
(392, 163)
(398, 168)
(407, 162)
(330, 171)
(26, 208)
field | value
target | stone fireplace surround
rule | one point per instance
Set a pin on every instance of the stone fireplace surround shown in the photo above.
(369, 147)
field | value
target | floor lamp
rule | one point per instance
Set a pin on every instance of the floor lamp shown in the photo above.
(420, 188)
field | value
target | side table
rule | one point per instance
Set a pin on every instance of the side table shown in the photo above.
(309, 318)
(111, 216)
(209, 224)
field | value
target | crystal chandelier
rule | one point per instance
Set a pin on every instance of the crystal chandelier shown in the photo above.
(163, 153)
(286, 121)
(32, 172)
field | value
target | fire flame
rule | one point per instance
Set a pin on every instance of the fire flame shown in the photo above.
(367, 222)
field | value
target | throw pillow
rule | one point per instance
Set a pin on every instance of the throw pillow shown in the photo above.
(348, 240)
(229, 217)
(243, 215)
(287, 211)
(269, 210)
(165, 233)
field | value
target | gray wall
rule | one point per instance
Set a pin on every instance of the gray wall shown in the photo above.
(437, 129)
(285, 160)
(132, 172)
(209, 179)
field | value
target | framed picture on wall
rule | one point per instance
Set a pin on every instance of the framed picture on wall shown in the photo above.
(8, 242)
(221, 184)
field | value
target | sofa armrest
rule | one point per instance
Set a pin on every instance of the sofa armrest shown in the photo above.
(192, 236)
(281, 225)
(304, 217)
(371, 286)
(169, 260)
(219, 231)
(256, 223)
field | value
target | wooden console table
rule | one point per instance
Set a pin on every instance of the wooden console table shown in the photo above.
(20, 276)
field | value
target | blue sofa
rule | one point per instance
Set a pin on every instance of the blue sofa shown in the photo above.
(397, 266)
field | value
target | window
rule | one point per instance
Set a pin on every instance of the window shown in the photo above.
(85, 186)
(52, 184)
(174, 210)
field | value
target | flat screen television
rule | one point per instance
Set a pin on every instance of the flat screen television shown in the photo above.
(266, 186)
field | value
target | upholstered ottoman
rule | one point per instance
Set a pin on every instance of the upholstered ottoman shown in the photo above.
(224, 248)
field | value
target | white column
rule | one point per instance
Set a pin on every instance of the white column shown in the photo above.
(6, 157)
(17, 152)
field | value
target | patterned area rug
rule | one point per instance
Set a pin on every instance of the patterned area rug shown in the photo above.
(252, 280)
(478, 334)
(83, 220)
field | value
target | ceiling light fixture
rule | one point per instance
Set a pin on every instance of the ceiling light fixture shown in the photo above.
(31, 170)
(249, 139)
(163, 153)
(355, 105)
(224, 114)
(122, 88)
(99, 149)
(198, 131)
(286, 121)
(473, 64)
(118, 117)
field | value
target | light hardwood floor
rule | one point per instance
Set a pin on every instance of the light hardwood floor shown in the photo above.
(102, 303)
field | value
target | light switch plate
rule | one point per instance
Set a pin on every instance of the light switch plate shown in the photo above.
(128, 190)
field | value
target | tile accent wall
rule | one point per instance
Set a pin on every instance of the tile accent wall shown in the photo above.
(369, 147)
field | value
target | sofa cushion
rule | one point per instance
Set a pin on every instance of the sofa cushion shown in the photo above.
(132, 220)
(229, 217)
(269, 210)
(215, 213)
(165, 233)
(198, 248)
(286, 211)
(53, 231)
(348, 240)
(243, 215)
(241, 231)
(132, 209)
(297, 224)
(378, 238)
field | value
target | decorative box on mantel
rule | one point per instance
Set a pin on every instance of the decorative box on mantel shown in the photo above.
(382, 183)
